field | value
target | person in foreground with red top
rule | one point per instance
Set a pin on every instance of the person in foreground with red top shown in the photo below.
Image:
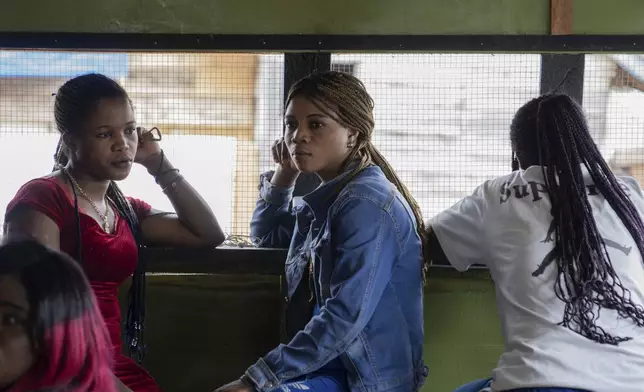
(80, 210)
(46, 305)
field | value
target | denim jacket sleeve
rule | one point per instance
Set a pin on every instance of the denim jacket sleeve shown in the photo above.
(365, 254)
(273, 220)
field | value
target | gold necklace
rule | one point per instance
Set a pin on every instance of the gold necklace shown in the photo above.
(103, 216)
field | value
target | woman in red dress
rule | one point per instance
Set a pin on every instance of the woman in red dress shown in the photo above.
(79, 209)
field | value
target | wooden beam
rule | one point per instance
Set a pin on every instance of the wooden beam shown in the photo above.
(625, 79)
(561, 17)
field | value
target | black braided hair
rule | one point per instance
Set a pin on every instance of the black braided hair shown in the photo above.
(76, 100)
(343, 97)
(551, 131)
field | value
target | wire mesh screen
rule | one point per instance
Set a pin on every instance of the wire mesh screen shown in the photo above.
(442, 120)
(218, 113)
(613, 101)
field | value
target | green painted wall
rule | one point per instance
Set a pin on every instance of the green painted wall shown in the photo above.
(205, 331)
(608, 16)
(279, 16)
(317, 17)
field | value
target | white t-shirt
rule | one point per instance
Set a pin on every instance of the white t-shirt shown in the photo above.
(503, 225)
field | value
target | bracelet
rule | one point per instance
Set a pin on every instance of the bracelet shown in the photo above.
(158, 171)
(158, 176)
(173, 184)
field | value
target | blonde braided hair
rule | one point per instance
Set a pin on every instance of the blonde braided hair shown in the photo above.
(344, 98)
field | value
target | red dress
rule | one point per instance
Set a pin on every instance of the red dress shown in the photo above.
(108, 259)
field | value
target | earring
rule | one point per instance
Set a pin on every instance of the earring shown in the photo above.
(350, 145)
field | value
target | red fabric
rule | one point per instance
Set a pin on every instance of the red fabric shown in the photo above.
(108, 259)
(87, 365)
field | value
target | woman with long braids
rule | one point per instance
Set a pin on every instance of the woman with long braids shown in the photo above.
(563, 238)
(52, 335)
(355, 263)
(80, 210)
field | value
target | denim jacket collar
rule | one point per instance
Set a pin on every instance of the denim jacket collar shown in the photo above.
(319, 200)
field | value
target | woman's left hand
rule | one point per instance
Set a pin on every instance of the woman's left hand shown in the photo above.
(148, 147)
(235, 386)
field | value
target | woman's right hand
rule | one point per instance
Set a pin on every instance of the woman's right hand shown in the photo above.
(286, 173)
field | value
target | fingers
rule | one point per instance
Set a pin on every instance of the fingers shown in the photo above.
(141, 132)
(274, 151)
(146, 136)
(284, 154)
(280, 152)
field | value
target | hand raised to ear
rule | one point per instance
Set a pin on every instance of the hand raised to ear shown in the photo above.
(286, 173)
(282, 156)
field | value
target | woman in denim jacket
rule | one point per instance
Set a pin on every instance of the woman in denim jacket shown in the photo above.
(355, 264)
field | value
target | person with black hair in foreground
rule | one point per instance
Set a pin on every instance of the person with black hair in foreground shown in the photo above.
(52, 335)
(563, 238)
(80, 210)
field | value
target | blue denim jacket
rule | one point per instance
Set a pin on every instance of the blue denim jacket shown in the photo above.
(367, 264)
